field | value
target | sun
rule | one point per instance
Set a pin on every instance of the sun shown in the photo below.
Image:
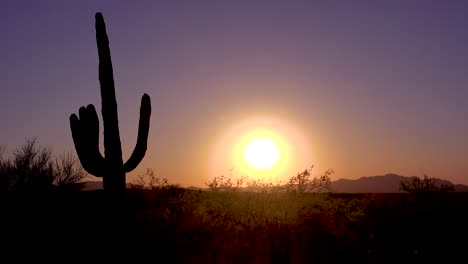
(261, 147)
(261, 153)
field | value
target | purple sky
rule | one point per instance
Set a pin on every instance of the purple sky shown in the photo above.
(376, 87)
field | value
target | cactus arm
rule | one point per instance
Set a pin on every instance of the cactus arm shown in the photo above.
(85, 133)
(143, 130)
(112, 145)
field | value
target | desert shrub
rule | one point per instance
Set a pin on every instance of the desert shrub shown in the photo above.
(150, 181)
(263, 185)
(138, 183)
(249, 205)
(265, 218)
(32, 168)
(303, 182)
(2, 152)
(68, 171)
(424, 185)
(224, 183)
(5, 168)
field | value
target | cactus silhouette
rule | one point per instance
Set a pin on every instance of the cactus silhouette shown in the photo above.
(85, 129)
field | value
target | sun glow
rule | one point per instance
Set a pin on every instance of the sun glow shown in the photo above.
(261, 153)
(260, 148)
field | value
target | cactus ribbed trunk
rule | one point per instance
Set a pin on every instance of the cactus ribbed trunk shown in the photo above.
(112, 147)
(85, 129)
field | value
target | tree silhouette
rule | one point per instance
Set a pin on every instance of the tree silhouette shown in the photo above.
(69, 173)
(303, 182)
(33, 168)
(30, 169)
(85, 129)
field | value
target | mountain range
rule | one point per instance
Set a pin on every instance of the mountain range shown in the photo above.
(389, 183)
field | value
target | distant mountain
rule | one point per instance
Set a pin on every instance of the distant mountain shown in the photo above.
(389, 183)
(92, 185)
(461, 188)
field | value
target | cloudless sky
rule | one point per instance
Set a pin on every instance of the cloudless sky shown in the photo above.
(376, 87)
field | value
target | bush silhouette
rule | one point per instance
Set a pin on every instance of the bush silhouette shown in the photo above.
(69, 172)
(302, 182)
(424, 185)
(150, 181)
(33, 168)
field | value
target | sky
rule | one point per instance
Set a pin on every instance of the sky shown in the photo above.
(361, 87)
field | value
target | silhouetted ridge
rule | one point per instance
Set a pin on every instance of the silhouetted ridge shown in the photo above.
(389, 183)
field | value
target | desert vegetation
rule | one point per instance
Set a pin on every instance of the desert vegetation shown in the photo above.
(300, 221)
(232, 220)
(32, 167)
(425, 185)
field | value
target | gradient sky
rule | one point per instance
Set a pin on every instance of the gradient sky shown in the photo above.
(375, 87)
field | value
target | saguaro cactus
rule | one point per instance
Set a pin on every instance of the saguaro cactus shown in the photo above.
(85, 129)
